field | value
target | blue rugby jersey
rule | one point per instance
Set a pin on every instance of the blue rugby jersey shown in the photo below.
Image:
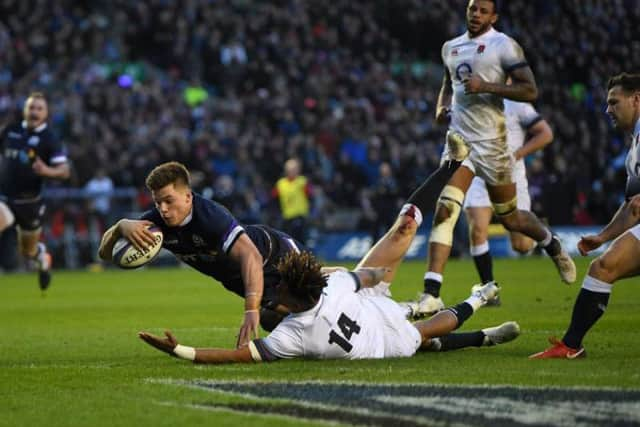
(205, 241)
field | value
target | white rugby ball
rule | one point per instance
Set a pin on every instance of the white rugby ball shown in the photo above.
(125, 255)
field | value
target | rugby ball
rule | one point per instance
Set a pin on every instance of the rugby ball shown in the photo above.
(125, 255)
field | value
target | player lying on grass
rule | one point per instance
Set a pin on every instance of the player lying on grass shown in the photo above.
(337, 314)
(622, 258)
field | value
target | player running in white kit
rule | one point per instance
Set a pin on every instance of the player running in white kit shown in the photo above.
(527, 132)
(477, 65)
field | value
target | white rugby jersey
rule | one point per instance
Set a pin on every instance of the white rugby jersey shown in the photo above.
(490, 56)
(520, 116)
(342, 325)
(632, 162)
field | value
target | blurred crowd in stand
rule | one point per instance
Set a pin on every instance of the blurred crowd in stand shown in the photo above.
(235, 88)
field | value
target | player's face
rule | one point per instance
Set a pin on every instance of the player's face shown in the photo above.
(623, 108)
(481, 15)
(35, 112)
(173, 203)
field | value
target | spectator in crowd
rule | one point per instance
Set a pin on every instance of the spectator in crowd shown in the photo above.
(382, 201)
(100, 189)
(343, 75)
(293, 192)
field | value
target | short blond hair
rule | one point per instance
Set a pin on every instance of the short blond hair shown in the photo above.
(38, 95)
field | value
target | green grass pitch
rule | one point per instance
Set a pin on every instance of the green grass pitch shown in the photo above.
(72, 357)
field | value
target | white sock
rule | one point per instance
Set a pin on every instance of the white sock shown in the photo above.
(480, 249)
(382, 288)
(545, 242)
(475, 302)
(594, 285)
(433, 276)
(413, 211)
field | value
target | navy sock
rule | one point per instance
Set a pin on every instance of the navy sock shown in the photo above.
(462, 312)
(588, 308)
(426, 196)
(554, 247)
(461, 340)
(484, 265)
(432, 287)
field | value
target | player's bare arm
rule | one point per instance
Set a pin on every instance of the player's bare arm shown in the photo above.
(634, 207)
(539, 136)
(109, 238)
(443, 107)
(370, 276)
(136, 231)
(61, 171)
(250, 260)
(626, 217)
(169, 344)
(523, 87)
(333, 269)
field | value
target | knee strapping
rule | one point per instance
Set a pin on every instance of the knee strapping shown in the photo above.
(506, 208)
(6, 217)
(450, 199)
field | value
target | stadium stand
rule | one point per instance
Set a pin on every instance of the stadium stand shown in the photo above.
(234, 88)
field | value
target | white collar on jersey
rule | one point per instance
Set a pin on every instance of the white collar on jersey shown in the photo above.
(36, 130)
(636, 129)
(489, 33)
(188, 219)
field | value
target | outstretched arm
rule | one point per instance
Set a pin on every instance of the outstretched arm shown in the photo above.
(626, 217)
(170, 345)
(247, 255)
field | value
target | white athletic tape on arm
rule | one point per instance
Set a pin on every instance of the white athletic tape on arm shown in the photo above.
(184, 352)
(255, 354)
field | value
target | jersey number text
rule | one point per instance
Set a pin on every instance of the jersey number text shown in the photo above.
(348, 328)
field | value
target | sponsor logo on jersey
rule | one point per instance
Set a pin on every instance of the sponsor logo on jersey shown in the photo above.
(14, 135)
(198, 241)
(34, 140)
(463, 71)
(170, 240)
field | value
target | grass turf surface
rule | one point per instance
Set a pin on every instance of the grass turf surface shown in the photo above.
(72, 357)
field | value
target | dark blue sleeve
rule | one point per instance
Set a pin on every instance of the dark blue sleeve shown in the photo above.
(218, 223)
(152, 215)
(57, 152)
(3, 135)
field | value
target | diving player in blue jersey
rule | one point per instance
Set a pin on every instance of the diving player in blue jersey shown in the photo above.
(206, 236)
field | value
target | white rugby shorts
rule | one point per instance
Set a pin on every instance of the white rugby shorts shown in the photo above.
(478, 197)
(401, 338)
(490, 159)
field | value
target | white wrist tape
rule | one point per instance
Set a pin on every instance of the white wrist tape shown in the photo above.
(184, 352)
(255, 354)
